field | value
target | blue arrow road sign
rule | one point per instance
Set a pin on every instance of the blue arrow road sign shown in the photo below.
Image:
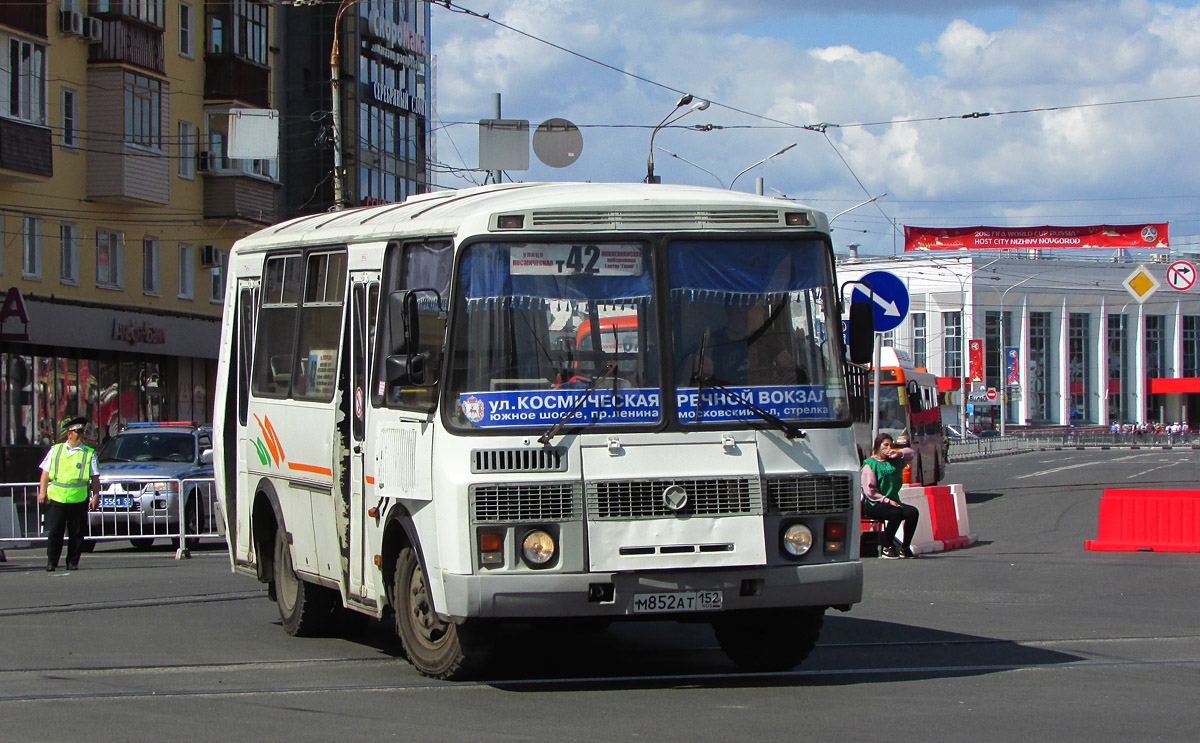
(890, 300)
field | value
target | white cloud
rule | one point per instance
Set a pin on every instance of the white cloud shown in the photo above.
(1107, 159)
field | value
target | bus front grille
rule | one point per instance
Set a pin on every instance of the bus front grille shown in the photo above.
(553, 501)
(643, 499)
(810, 494)
(518, 460)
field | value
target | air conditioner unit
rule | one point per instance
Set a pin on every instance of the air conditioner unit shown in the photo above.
(210, 256)
(70, 22)
(93, 30)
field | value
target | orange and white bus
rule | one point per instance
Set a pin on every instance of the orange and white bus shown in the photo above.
(909, 409)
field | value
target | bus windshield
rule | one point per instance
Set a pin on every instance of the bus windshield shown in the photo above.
(746, 341)
(524, 347)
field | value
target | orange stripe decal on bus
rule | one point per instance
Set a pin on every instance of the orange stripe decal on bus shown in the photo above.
(274, 436)
(270, 442)
(310, 468)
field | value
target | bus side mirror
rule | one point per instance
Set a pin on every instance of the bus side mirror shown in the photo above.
(403, 322)
(405, 369)
(861, 332)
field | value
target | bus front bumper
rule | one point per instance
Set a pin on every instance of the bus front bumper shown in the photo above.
(529, 595)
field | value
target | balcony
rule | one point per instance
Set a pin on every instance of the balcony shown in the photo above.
(235, 195)
(228, 77)
(25, 148)
(129, 42)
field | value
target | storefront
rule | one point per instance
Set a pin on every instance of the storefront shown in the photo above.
(60, 360)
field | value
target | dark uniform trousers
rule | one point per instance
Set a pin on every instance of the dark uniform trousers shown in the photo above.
(71, 518)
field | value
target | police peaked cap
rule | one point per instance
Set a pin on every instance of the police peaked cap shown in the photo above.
(75, 424)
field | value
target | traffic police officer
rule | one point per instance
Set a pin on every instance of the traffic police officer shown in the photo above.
(69, 476)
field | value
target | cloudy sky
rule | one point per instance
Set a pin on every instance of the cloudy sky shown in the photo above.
(1114, 139)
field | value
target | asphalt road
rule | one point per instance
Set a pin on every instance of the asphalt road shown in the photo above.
(1023, 636)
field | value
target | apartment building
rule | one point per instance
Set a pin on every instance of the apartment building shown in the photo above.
(118, 204)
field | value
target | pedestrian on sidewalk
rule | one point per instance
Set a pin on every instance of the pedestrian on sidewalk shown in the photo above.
(70, 484)
(882, 478)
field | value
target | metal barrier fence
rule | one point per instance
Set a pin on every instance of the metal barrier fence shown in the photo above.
(138, 509)
(980, 448)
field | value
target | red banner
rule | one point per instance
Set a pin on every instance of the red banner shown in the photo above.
(1100, 236)
(975, 355)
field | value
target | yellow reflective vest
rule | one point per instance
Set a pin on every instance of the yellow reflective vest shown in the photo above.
(70, 473)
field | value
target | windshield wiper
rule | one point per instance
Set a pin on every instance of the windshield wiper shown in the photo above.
(548, 436)
(708, 380)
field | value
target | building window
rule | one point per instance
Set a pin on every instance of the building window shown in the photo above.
(186, 22)
(216, 280)
(1118, 368)
(1040, 366)
(187, 270)
(69, 260)
(1079, 359)
(216, 35)
(70, 118)
(150, 11)
(1156, 346)
(143, 120)
(110, 259)
(150, 265)
(31, 247)
(1191, 345)
(952, 340)
(187, 150)
(250, 30)
(23, 87)
(920, 349)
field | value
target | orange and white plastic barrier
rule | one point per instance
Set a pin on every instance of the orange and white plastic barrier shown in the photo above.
(944, 524)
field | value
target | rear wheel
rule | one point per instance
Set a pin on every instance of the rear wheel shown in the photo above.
(769, 640)
(306, 609)
(435, 647)
(141, 544)
(193, 518)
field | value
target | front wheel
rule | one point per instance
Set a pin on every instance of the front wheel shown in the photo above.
(769, 640)
(306, 609)
(436, 648)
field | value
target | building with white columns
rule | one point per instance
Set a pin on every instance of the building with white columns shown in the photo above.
(1059, 336)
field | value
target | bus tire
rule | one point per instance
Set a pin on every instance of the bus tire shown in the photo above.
(141, 544)
(306, 609)
(436, 648)
(192, 522)
(769, 640)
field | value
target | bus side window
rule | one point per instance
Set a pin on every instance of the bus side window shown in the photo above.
(423, 265)
(283, 276)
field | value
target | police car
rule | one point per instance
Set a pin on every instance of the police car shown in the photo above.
(142, 469)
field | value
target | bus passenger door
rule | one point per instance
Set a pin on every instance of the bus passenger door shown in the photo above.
(364, 306)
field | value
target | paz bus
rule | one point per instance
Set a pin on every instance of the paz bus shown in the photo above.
(909, 409)
(392, 436)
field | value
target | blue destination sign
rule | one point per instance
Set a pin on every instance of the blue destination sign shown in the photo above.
(511, 408)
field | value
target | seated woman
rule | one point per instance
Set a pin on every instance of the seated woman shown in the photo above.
(881, 483)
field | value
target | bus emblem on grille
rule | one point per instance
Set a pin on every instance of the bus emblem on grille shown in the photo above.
(675, 498)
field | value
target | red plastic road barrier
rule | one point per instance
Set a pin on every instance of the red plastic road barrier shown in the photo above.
(1149, 520)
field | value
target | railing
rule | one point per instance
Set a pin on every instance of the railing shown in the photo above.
(980, 448)
(138, 509)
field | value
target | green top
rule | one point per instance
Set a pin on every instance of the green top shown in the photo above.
(888, 476)
(70, 474)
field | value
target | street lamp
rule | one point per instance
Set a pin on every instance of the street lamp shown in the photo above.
(760, 162)
(864, 203)
(693, 105)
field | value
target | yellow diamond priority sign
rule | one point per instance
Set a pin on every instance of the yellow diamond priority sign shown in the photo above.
(1141, 284)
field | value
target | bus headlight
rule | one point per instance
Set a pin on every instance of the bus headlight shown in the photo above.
(797, 539)
(538, 548)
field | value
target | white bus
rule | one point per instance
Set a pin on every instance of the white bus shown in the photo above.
(412, 420)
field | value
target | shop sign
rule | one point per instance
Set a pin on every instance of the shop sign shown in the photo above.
(137, 332)
(12, 314)
(385, 93)
(397, 35)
